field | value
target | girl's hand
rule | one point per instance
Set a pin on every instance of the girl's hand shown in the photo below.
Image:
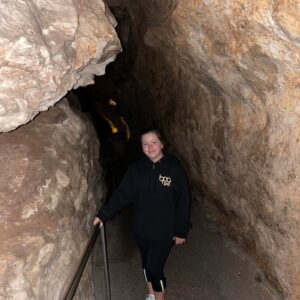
(98, 221)
(179, 241)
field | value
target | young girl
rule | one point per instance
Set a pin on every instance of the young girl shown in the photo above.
(156, 186)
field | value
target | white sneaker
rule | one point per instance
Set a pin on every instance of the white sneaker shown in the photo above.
(150, 297)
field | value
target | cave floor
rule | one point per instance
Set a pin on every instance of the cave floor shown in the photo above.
(209, 266)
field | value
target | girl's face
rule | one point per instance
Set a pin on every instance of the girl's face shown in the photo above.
(152, 146)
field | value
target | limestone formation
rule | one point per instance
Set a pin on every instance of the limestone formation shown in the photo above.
(47, 48)
(222, 80)
(50, 182)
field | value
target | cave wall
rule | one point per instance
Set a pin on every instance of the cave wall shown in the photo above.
(50, 186)
(221, 78)
(47, 49)
(50, 182)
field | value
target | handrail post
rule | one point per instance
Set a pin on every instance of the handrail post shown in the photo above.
(70, 292)
(105, 261)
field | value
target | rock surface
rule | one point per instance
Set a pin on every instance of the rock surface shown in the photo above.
(222, 80)
(50, 182)
(46, 50)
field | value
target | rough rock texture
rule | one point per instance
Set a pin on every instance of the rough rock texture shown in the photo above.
(47, 48)
(50, 182)
(222, 80)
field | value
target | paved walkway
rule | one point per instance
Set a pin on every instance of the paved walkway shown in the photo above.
(209, 267)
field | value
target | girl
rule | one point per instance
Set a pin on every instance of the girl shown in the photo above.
(156, 186)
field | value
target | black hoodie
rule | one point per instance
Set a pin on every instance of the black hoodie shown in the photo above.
(160, 199)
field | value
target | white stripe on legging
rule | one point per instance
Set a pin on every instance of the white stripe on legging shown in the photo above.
(162, 285)
(145, 275)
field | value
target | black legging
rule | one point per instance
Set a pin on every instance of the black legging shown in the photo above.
(154, 256)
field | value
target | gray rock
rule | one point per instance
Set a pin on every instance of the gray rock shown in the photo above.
(46, 50)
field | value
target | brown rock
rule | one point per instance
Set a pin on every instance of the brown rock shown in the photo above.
(49, 186)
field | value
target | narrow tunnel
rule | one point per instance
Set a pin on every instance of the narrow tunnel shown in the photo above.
(219, 79)
(158, 82)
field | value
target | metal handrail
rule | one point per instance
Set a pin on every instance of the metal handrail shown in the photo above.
(105, 262)
(70, 292)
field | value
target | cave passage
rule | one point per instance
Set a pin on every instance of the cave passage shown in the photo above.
(209, 266)
(220, 79)
(192, 71)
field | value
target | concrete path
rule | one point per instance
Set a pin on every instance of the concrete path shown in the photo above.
(208, 267)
